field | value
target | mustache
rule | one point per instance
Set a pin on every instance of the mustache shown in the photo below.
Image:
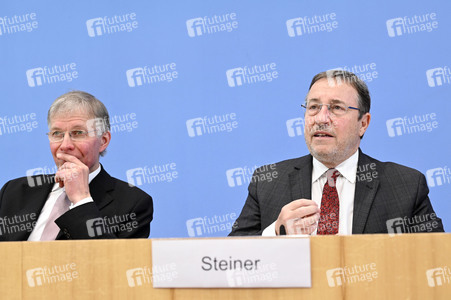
(321, 127)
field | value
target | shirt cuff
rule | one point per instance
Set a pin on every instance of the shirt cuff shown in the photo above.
(270, 230)
(81, 202)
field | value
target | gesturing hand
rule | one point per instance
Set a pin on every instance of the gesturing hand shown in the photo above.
(299, 217)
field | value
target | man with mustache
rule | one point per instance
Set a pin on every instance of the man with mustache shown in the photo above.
(337, 189)
(81, 201)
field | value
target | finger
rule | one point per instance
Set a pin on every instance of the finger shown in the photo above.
(300, 227)
(69, 158)
(306, 211)
(300, 203)
(64, 166)
(308, 221)
(69, 173)
(310, 229)
(290, 216)
(59, 178)
(307, 228)
(59, 181)
(69, 166)
(303, 222)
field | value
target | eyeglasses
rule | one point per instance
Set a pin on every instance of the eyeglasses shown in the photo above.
(57, 136)
(337, 109)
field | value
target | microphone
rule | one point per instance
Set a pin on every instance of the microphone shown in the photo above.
(282, 230)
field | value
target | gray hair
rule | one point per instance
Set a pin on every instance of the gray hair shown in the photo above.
(80, 101)
(364, 99)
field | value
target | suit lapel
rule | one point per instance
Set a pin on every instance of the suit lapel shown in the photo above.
(99, 188)
(300, 179)
(33, 204)
(365, 191)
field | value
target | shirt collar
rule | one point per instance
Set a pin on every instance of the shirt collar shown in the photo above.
(92, 175)
(348, 168)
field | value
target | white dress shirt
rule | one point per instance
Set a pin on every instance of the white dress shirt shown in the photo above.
(345, 188)
(50, 202)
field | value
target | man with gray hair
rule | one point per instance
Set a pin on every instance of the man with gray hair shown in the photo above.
(337, 189)
(80, 201)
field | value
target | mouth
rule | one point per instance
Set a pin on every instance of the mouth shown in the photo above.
(322, 134)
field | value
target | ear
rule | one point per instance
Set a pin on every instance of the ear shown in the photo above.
(364, 123)
(105, 141)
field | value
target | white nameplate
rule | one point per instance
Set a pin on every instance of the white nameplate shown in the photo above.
(231, 262)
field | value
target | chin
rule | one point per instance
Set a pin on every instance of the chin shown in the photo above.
(324, 155)
(323, 150)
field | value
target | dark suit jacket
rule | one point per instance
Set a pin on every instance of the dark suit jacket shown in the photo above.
(126, 211)
(394, 192)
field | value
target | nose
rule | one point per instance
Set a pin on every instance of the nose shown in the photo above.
(323, 116)
(66, 143)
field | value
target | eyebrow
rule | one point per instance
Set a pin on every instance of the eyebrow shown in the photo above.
(76, 127)
(332, 101)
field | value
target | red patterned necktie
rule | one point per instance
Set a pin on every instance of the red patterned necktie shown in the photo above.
(330, 205)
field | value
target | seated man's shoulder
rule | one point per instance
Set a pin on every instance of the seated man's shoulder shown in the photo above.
(294, 162)
(25, 182)
(126, 187)
(391, 169)
(285, 166)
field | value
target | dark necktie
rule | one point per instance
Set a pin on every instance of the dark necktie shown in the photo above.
(330, 206)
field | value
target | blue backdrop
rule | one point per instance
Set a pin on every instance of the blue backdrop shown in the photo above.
(201, 93)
